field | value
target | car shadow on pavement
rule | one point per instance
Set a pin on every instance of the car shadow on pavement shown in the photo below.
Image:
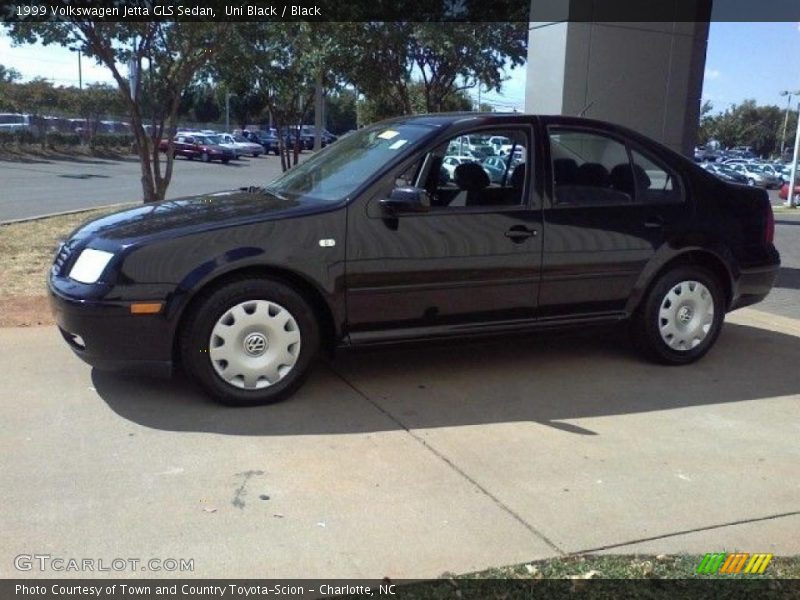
(546, 379)
(788, 278)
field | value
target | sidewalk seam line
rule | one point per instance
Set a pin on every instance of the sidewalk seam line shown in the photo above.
(688, 531)
(451, 464)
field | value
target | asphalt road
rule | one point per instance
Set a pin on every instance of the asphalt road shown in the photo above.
(34, 188)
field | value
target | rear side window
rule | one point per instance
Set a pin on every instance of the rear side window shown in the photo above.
(655, 183)
(590, 169)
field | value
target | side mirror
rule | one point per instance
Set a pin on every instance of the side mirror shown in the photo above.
(405, 200)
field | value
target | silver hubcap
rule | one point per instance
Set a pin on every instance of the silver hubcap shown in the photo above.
(686, 315)
(254, 344)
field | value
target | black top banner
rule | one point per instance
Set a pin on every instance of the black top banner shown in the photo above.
(402, 10)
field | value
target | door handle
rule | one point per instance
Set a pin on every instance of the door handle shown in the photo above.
(520, 233)
(654, 223)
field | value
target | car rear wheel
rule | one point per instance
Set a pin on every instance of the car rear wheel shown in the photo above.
(681, 317)
(250, 342)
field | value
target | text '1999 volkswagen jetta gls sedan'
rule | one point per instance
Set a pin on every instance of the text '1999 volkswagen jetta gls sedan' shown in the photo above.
(373, 240)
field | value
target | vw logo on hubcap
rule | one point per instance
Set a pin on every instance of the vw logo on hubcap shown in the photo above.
(255, 344)
(685, 314)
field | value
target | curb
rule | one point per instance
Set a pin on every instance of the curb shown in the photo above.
(67, 212)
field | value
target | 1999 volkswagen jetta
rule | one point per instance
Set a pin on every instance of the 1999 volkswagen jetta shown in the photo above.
(381, 238)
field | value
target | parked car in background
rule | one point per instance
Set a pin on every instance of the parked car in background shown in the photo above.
(725, 172)
(243, 288)
(198, 146)
(240, 145)
(783, 194)
(14, 121)
(292, 134)
(497, 168)
(450, 163)
(267, 138)
(326, 136)
(756, 175)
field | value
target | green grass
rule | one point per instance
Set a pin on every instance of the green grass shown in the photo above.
(610, 577)
(629, 567)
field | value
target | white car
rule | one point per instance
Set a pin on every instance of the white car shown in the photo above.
(240, 145)
(758, 176)
(450, 163)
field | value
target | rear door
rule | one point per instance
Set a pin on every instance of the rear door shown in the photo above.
(611, 205)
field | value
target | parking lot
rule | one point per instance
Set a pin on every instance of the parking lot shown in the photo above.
(39, 187)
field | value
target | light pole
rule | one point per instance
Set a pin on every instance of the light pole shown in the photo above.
(790, 200)
(228, 110)
(786, 118)
(80, 70)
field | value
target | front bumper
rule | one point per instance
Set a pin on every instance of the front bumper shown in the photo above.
(107, 336)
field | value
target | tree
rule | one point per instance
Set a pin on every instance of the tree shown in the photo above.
(93, 102)
(281, 64)
(387, 59)
(745, 124)
(166, 56)
(8, 75)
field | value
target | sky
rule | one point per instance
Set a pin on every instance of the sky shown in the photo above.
(743, 61)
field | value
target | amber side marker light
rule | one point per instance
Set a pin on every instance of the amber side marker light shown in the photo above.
(146, 308)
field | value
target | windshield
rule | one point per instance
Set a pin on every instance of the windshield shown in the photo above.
(240, 139)
(341, 168)
(211, 139)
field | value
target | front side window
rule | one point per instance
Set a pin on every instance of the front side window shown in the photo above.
(470, 171)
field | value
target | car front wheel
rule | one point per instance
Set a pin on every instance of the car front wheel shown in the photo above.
(250, 342)
(205, 157)
(681, 317)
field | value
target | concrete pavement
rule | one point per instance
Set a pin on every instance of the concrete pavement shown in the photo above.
(408, 462)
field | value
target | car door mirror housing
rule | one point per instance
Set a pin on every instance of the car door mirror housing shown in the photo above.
(406, 199)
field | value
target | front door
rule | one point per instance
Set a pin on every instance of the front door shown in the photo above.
(473, 257)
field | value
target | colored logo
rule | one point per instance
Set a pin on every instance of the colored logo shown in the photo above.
(733, 563)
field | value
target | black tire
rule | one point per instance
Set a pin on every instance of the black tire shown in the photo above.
(205, 157)
(646, 323)
(225, 161)
(256, 154)
(195, 337)
(277, 151)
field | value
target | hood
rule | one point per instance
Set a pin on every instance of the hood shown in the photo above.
(191, 215)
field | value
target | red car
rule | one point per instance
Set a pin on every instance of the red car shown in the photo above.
(198, 146)
(784, 193)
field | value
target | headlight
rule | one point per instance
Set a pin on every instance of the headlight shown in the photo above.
(90, 265)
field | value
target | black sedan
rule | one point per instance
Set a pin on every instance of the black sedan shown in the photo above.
(365, 243)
